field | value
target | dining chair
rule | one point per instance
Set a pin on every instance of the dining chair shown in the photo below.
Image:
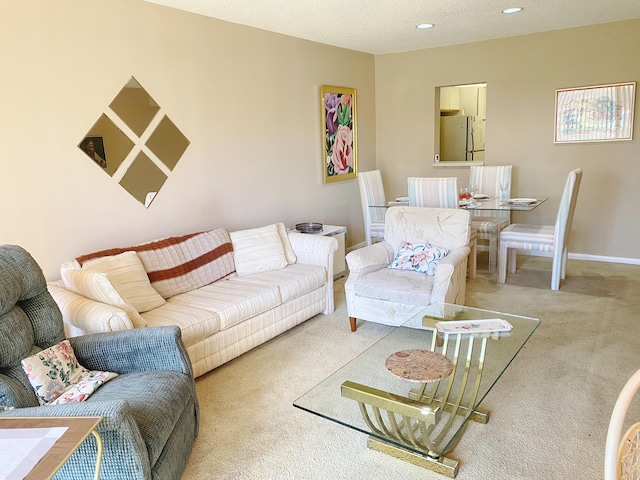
(542, 238)
(490, 180)
(441, 193)
(622, 452)
(372, 193)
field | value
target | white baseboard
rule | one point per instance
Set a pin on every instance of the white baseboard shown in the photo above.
(586, 256)
(572, 256)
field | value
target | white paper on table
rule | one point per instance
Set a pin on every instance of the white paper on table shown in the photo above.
(22, 448)
(487, 325)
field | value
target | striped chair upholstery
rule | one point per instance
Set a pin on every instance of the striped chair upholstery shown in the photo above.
(489, 224)
(372, 193)
(441, 193)
(433, 192)
(543, 238)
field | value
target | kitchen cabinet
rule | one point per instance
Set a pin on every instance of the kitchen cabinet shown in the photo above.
(449, 98)
(473, 100)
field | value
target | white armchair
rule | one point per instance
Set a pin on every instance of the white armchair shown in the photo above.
(379, 294)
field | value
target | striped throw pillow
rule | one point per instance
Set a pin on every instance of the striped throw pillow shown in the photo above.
(258, 250)
(128, 276)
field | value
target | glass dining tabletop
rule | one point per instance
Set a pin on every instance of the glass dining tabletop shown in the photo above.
(520, 204)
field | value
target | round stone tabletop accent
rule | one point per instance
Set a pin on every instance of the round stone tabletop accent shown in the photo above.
(419, 365)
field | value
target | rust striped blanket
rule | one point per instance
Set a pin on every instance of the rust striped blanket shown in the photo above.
(180, 264)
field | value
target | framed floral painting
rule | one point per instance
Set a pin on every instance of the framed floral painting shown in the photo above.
(338, 133)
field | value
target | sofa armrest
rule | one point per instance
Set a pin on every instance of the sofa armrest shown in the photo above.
(115, 413)
(82, 315)
(318, 250)
(368, 259)
(141, 349)
(313, 249)
(450, 279)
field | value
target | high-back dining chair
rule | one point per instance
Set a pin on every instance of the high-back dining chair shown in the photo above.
(542, 238)
(433, 192)
(622, 452)
(441, 193)
(372, 193)
(489, 224)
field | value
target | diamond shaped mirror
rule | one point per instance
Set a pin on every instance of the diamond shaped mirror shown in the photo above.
(115, 139)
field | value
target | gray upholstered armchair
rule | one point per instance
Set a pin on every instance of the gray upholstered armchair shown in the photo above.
(150, 410)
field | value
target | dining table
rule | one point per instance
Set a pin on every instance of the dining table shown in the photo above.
(519, 204)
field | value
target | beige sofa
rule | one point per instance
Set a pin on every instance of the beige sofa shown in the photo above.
(227, 291)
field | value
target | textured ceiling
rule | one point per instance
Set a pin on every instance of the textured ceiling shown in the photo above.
(388, 26)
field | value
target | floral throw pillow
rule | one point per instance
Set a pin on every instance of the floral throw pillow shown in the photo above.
(421, 257)
(57, 377)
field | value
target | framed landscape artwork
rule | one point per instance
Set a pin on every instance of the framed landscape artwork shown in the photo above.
(338, 133)
(598, 113)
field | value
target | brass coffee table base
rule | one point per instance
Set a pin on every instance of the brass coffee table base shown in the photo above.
(443, 465)
(413, 415)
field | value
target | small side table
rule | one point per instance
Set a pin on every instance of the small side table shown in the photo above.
(340, 234)
(78, 429)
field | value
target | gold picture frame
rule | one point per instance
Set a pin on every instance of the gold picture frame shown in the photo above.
(599, 113)
(339, 133)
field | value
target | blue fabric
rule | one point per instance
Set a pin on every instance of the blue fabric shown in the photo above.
(150, 411)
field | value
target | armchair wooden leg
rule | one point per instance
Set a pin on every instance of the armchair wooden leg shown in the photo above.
(352, 322)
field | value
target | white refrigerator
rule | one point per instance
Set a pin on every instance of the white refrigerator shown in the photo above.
(462, 138)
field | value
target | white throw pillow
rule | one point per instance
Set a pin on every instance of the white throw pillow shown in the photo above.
(128, 276)
(57, 377)
(419, 257)
(258, 250)
(289, 254)
(96, 286)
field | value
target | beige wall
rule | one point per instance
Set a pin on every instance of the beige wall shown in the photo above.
(248, 100)
(522, 74)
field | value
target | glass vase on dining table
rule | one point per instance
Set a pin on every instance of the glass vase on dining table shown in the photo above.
(504, 190)
(464, 197)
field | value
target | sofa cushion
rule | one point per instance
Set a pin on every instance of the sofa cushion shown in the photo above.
(292, 281)
(258, 250)
(179, 264)
(127, 274)
(96, 286)
(403, 286)
(289, 254)
(195, 324)
(231, 301)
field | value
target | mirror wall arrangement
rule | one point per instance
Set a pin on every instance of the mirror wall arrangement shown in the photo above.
(115, 144)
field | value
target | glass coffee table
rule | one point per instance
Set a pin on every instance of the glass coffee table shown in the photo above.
(401, 394)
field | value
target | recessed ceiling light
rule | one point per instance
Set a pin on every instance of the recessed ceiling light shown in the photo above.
(512, 10)
(424, 25)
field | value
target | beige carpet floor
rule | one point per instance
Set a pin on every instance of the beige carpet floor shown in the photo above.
(549, 412)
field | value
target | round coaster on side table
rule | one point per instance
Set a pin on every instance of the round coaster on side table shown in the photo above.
(419, 365)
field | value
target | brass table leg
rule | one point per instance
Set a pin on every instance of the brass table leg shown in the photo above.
(95, 433)
(443, 465)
